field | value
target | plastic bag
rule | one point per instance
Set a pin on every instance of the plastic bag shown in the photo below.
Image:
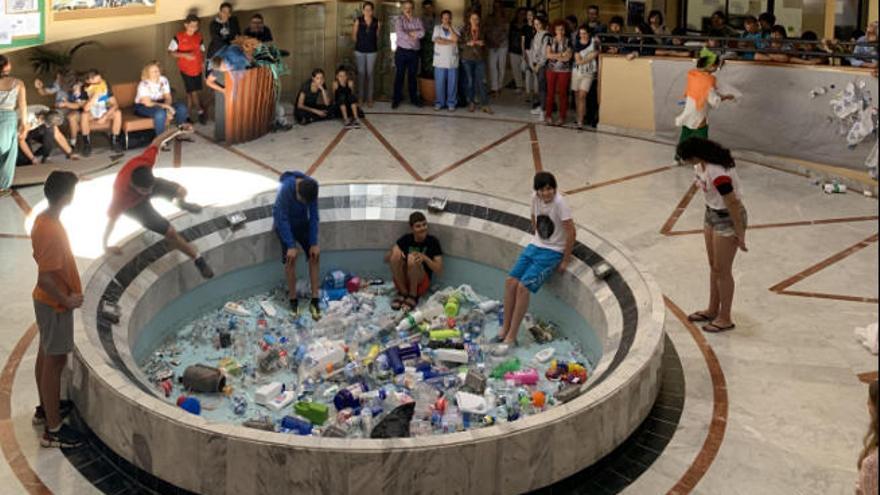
(396, 423)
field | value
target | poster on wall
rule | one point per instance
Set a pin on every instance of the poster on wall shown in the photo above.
(63, 10)
(21, 23)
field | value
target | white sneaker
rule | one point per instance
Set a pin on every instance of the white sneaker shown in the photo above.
(536, 111)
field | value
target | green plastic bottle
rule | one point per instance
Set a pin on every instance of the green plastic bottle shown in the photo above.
(508, 366)
(445, 334)
(453, 304)
(313, 411)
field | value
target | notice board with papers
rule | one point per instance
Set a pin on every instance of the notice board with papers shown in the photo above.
(22, 23)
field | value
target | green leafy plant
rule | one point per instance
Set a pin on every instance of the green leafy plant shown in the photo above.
(46, 61)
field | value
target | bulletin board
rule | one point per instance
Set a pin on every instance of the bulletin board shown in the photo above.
(22, 23)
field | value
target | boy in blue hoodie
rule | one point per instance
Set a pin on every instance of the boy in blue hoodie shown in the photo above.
(296, 221)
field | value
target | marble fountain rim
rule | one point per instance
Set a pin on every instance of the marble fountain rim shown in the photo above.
(648, 337)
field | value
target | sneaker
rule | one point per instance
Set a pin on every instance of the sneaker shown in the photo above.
(314, 310)
(203, 118)
(394, 105)
(471, 107)
(65, 438)
(294, 308)
(487, 110)
(187, 206)
(204, 268)
(437, 108)
(87, 148)
(536, 111)
(39, 418)
(451, 109)
(116, 144)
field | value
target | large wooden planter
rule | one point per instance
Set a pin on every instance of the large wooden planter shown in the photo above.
(250, 104)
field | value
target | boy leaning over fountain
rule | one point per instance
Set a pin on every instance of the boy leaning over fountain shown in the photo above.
(549, 250)
(296, 222)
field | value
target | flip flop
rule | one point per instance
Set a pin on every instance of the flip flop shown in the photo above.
(713, 328)
(397, 302)
(700, 316)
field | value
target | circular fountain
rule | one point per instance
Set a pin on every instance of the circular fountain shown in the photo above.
(150, 289)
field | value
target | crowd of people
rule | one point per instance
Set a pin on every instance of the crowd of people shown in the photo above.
(554, 65)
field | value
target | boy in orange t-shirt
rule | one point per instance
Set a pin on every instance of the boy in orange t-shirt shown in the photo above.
(57, 294)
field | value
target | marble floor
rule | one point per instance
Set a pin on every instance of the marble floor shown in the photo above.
(774, 407)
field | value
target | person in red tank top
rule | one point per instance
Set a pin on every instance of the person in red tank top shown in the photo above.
(133, 190)
(189, 50)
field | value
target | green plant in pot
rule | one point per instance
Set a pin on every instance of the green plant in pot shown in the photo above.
(426, 72)
(47, 61)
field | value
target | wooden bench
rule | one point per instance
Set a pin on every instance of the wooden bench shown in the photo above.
(125, 94)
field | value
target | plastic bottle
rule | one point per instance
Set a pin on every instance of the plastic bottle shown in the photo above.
(524, 377)
(367, 421)
(489, 306)
(414, 318)
(453, 305)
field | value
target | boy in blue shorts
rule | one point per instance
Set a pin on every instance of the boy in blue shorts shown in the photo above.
(549, 251)
(296, 222)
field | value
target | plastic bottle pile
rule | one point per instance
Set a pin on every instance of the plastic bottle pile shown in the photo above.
(363, 369)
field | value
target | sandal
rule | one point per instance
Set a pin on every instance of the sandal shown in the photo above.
(410, 303)
(713, 328)
(700, 316)
(397, 302)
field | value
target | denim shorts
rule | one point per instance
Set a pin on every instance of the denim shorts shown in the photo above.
(534, 266)
(721, 222)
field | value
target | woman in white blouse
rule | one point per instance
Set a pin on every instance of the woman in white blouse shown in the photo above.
(154, 101)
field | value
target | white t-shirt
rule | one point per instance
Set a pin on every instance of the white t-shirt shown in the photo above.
(153, 91)
(549, 233)
(445, 56)
(713, 177)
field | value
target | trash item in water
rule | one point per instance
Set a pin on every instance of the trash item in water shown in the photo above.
(297, 425)
(538, 399)
(281, 400)
(398, 354)
(239, 405)
(415, 317)
(268, 392)
(471, 403)
(190, 404)
(203, 378)
(541, 332)
(269, 361)
(323, 352)
(489, 306)
(445, 334)
(269, 308)
(264, 423)
(236, 309)
(451, 355)
(396, 424)
(166, 387)
(817, 91)
(453, 305)
(508, 366)
(524, 377)
(544, 355)
(315, 412)
(569, 372)
(475, 381)
(353, 285)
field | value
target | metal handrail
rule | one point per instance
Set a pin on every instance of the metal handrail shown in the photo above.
(624, 40)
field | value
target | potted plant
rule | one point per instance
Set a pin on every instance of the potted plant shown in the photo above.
(426, 73)
(46, 61)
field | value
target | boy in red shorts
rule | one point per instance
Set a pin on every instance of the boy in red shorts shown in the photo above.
(414, 259)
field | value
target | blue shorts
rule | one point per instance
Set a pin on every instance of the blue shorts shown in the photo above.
(534, 266)
(300, 236)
